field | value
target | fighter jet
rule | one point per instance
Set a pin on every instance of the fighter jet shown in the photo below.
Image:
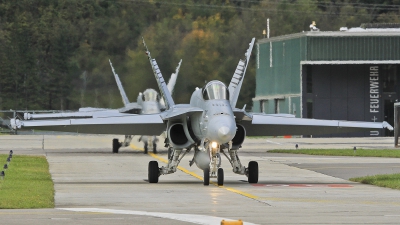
(148, 102)
(209, 125)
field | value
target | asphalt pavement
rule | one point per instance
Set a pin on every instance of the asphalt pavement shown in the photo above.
(95, 186)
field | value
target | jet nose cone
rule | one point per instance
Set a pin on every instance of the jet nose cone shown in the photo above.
(221, 129)
(223, 132)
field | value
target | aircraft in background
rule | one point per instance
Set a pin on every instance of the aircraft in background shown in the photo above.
(210, 124)
(148, 102)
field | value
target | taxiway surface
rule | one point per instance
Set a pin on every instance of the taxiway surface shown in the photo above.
(94, 186)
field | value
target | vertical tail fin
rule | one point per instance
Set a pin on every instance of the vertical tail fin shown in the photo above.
(125, 99)
(160, 80)
(174, 76)
(237, 79)
(172, 82)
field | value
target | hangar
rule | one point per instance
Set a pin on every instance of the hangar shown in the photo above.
(351, 74)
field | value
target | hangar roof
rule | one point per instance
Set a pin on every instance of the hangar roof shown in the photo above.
(372, 32)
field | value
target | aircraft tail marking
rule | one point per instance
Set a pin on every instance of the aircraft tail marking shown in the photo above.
(160, 80)
(125, 99)
(237, 80)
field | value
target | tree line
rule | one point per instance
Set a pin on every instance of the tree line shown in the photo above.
(54, 53)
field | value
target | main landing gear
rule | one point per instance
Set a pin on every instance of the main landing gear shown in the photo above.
(206, 177)
(154, 172)
(116, 144)
(220, 177)
(150, 142)
(252, 172)
(214, 171)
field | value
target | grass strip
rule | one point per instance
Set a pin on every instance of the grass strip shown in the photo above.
(27, 183)
(385, 180)
(390, 153)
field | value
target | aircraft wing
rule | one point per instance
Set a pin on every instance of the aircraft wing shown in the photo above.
(131, 108)
(116, 124)
(268, 125)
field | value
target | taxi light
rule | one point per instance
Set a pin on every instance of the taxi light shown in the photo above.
(214, 144)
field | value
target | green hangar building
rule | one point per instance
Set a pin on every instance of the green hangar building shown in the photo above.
(352, 74)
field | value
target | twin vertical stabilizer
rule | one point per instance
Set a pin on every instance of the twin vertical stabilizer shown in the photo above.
(121, 89)
(160, 80)
(237, 80)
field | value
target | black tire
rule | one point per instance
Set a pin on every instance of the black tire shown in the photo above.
(153, 172)
(154, 148)
(146, 148)
(220, 177)
(206, 180)
(115, 145)
(253, 172)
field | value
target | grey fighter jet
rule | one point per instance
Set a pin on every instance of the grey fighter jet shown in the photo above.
(148, 102)
(209, 125)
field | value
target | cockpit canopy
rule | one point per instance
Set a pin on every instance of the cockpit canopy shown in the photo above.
(215, 90)
(150, 95)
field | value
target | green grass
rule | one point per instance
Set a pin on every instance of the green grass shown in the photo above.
(27, 183)
(390, 153)
(385, 180)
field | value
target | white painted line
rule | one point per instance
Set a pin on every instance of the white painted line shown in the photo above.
(274, 142)
(191, 218)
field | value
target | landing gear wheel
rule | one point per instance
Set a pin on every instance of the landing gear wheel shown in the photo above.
(153, 172)
(146, 148)
(206, 180)
(154, 148)
(253, 172)
(220, 177)
(115, 145)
